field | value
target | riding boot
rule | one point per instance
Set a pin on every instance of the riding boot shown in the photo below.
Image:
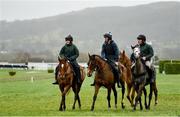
(153, 75)
(56, 73)
(78, 75)
(117, 76)
(118, 83)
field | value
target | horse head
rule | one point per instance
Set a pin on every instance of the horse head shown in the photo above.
(91, 65)
(136, 51)
(139, 67)
(122, 58)
(63, 67)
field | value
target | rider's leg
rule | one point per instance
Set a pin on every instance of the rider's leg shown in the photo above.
(76, 68)
(56, 73)
(152, 71)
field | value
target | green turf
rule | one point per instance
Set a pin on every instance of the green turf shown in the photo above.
(19, 96)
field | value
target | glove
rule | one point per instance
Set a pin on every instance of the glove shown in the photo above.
(144, 58)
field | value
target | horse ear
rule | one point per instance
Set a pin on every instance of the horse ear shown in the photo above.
(120, 52)
(89, 55)
(123, 52)
(59, 58)
(132, 47)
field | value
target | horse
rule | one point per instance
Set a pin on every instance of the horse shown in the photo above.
(66, 79)
(103, 77)
(124, 61)
(141, 78)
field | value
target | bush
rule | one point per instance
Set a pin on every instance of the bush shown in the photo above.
(12, 73)
(50, 70)
(172, 68)
(163, 62)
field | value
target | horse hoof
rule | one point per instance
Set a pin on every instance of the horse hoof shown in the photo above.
(134, 110)
(156, 103)
(92, 109)
(123, 107)
(60, 109)
(73, 108)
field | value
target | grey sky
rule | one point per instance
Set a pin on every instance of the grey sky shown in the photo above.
(27, 9)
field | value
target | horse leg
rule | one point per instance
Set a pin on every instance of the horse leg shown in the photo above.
(145, 95)
(155, 93)
(123, 92)
(150, 95)
(63, 97)
(95, 96)
(79, 101)
(115, 95)
(140, 102)
(138, 97)
(109, 97)
(128, 93)
(61, 104)
(78, 98)
(132, 96)
(75, 97)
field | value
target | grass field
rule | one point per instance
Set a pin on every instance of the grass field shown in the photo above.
(20, 97)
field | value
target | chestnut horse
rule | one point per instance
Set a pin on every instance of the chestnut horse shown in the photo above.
(103, 77)
(127, 75)
(66, 79)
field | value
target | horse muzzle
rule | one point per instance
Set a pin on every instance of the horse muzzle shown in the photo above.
(89, 73)
(62, 76)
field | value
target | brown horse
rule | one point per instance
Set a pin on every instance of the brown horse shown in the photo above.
(127, 75)
(66, 79)
(103, 77)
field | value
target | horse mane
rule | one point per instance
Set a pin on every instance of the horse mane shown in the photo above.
(102, 60)
(99, 57)
(128, 60)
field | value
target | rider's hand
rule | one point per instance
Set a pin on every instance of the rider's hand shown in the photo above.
(144, 58)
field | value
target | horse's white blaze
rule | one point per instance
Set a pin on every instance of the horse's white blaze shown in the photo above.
(136, 52)
(62, 65)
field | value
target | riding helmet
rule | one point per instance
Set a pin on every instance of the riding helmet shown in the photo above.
(69, 38)
(108, 35)
(141, 37)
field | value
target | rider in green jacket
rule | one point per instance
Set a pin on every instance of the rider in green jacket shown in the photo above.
(70, 52)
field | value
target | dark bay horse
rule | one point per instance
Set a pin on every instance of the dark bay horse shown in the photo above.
(141, 78)
(127, 75)
(66, 79)
(103, 77)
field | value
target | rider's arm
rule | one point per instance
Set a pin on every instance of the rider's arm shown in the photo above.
(151, 53)
(116, 50)
(103, 52)
(74, 57)
(61, 53)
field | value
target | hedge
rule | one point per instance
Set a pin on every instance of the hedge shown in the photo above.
(163, 62)
(50, 70)
(12, 73)
(172, 68)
